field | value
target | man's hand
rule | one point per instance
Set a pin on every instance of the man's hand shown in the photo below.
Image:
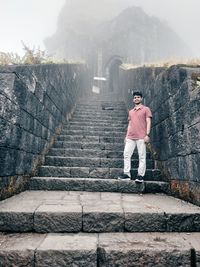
(146, 139)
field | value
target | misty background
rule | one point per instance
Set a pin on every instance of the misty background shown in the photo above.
(34, 21)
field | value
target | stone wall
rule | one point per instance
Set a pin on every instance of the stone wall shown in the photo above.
(173, 94)
(34, 102)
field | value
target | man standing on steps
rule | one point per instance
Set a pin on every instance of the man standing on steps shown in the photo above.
(137, 135)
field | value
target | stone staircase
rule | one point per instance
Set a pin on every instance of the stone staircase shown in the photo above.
(76, 213)
(89, 152)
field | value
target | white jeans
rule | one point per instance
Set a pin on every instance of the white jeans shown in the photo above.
(128, 152)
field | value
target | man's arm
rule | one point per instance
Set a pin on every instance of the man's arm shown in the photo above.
(147, 138)
(148, 120)
(129, 119)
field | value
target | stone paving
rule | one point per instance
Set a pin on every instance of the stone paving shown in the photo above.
(60, 211)
(104, 249)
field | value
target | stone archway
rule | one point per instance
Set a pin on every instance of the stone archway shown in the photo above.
(111, 71)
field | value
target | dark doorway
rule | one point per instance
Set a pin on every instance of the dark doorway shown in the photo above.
(114, 75)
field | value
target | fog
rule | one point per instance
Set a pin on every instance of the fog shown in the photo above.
(29, 21)
(33, 20)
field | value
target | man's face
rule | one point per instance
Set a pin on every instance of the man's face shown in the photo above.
(137, 99)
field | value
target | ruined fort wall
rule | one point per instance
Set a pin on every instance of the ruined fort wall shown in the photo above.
(34, 102)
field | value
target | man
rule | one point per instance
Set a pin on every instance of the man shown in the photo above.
(137, 135)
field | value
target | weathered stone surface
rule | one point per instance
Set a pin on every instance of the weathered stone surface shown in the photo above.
(96, 162)
(79, 172)
(67, 250)
(72, 161)
(50, 171)
(101, 185)
(183, 222)
(110, 249)
(40, 195)
(45, 183)
(96, 184)
(17, 216)
(62, 144)
(95, 124)
(58, 218)
(157, 187)
(93, 146)
(112, 140)
(86, 132)
(103, 218)
(101, 117)
(87, 198)
(78, 138)
(130, 187)
(143, 249)
(19, 249)
(145, 222)
(99, 173)
(77, 152)
(35, 102)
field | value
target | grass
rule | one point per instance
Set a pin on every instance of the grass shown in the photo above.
(165, 63)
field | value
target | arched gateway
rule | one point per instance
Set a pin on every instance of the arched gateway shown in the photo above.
(111, 70)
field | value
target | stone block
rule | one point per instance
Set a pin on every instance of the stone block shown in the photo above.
(142, 249)
(67, 250)
(103, 218)
(8, 161)
(99, 173)
(79, 172)
(17, 216)
(50, 171)
(157, 187)
(19, 249)
(101, 185)
(144, 222)
(37, 183)
(130, 187)
(58, 218)
(183, 222)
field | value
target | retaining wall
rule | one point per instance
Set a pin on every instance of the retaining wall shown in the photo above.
(34, 102)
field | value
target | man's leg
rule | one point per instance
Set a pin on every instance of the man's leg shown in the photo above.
(128, 152)
(141, 146)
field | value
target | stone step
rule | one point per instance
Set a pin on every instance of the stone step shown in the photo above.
(92, 133)
(69, 211)
(101, 117)
(88, 138)
(99, 120)
(97, 185)
(101, 112)
(74, 129)
(100, 106)
(90, 153)
(89, 145)
(102, 250)
(92, 172)
(95, 124)
(92, 162)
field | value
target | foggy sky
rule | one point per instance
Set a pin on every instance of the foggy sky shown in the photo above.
(29, 21)
(34, 20)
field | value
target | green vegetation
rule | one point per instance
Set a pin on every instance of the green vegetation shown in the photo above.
(30, 57)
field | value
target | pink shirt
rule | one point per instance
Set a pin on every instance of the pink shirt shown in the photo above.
(137, 127)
